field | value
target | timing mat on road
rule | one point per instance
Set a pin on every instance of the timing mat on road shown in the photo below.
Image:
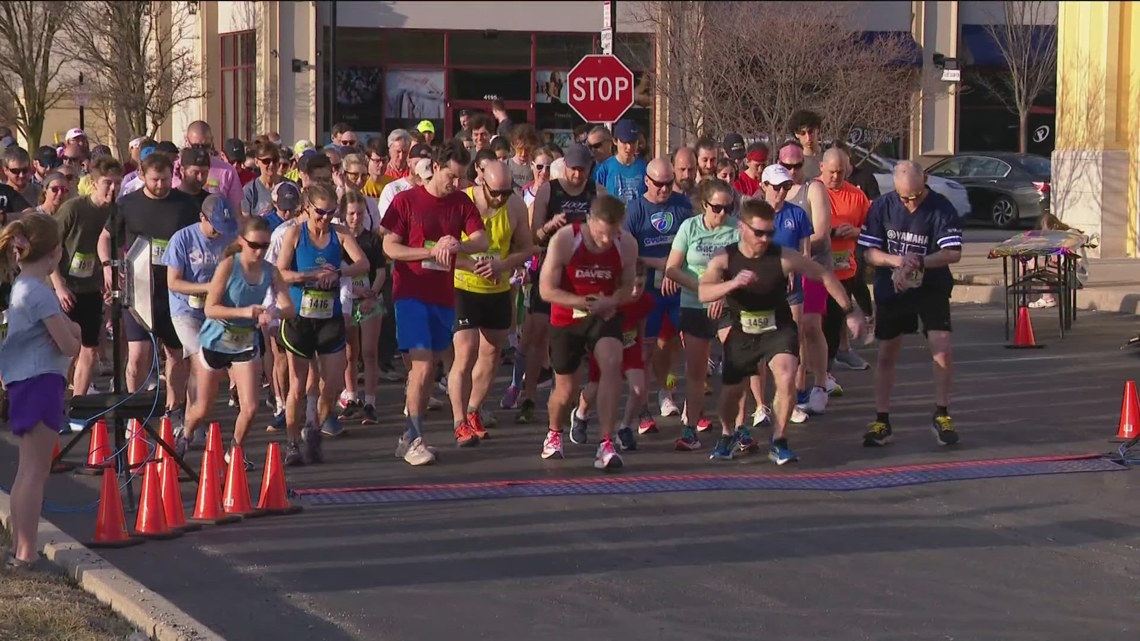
(840, 481)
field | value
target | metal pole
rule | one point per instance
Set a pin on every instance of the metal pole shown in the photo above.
(81, 110)
(331, 80)
(610, 28)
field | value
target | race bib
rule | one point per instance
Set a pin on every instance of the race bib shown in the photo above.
(757, 322)
(237, 339)
(362, 281)
(157, 250)
(197, 301)
(429, 263)
(629, 338)
(82, 265)
(842, 259)
(317, 304)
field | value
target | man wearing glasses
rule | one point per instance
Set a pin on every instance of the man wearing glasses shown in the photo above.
(912, 236)
(18, 173)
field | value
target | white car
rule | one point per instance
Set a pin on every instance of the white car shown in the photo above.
(883, 168)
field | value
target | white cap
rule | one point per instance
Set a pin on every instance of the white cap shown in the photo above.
(776, 175)
(423, 168)
(136, 143)
(73, 134)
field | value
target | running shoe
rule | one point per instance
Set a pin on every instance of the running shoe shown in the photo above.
(666, 404)
(646, 424)
(293, 456)
(944, 430)
(851, 360)
(490, 421)
(391, 375)
(475, 422)
(510, 400)
(817, 401)
(879, 434)
(249, 466)
(626, 439)
(415, 452)
(552, 446)
(780, 454)
(350, 410)
(607, 458)
(177, 418)
(313, 451)
(724, 450)
(578, 428)
(465, 435)
(704, 424)
(762, 416)
(798, 415)
(744, 440)
(368, 415)
(331, 427)
(526, 412)
(234, 398)
(181, 445)
(688, 441)
(833, 387)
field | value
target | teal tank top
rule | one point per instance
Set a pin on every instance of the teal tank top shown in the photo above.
(237, 335)
(309, 300)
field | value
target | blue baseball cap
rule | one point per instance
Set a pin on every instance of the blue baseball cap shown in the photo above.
(218, 213)
(626, 131)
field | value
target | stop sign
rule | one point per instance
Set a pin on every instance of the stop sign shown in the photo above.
(601, 88)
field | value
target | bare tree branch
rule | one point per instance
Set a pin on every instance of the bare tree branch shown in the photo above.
(139, 67)
(28, 71)
(1029, 47)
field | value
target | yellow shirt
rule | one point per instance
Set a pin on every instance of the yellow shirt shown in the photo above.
(373, 188)
(85, 188)
(499, 232)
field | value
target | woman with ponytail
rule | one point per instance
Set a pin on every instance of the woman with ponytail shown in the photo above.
(37, 343)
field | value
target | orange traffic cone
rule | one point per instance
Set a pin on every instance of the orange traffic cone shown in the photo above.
(1129, 415)
(99, 452)
(151, 521)
(166, 434)
(214, 439)
(274, 499)
(208, 507)
(235, 499)
(111, 523)
(172, 498)
(138, 447)
(58, 466)
(1023, 333)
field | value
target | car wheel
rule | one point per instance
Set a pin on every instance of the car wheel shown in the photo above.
(1003, 213)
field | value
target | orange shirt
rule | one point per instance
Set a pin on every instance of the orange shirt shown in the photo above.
(848, 205)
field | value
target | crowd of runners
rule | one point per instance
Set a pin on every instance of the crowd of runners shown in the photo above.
(309, 271)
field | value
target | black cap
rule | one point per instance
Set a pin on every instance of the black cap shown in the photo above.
(167, 147)
(420, 151)
(734, 146)
(47, 157)
(234, 150)
(194, 157)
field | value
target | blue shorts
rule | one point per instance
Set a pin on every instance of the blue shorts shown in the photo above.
(665, 306)
(796, 296)
(423, 326)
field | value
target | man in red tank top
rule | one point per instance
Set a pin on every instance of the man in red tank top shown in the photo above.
(587, 275)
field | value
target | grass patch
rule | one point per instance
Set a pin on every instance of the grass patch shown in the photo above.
(44, 606)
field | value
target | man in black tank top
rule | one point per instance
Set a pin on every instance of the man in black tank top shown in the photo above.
(752, 277)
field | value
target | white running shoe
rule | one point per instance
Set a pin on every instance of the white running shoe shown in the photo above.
(667, 406)
(607, 457)
(799, 415)
(833, 387)
(552, 446)
(417, 452)
(817, 401)
(761, 416)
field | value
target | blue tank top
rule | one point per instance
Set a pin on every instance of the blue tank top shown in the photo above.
(236, 335)
(309, 300)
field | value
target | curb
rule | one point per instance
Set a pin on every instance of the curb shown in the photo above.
(1114, 299)
(141, 607)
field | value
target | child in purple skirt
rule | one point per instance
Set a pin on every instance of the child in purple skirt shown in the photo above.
(37, 346)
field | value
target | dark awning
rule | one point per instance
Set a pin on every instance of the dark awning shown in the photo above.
(979, 48)
(912, 53)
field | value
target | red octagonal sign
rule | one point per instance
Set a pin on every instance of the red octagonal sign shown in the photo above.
(601, 88)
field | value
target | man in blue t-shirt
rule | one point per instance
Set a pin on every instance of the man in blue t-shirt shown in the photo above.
(623, 174)
(653, 220)
(911, 237)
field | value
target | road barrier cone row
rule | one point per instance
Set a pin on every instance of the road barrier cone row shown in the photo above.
(151, 522)
(208, 506)
(138, 446)
(274, 497)
(1023, 333)
(111, 522)
(1129, 426)
(100, 455)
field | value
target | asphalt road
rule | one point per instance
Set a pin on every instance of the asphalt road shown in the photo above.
(1047, 557)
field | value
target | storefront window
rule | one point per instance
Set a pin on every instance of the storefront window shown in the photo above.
(561, 50)
(413, 47)
(634, 49)
(489, 48)
(413, 94)
(488, 84)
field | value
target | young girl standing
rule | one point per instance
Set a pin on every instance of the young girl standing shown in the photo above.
(38, 343)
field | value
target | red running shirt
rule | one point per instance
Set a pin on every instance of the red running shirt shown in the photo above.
(586, 274)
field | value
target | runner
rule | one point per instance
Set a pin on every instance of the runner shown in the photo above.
(423, 229)
(310, 261)
(805, 125)
(228, 337)
(912, 236)
(654, 220)
(483, 304)
(697, 240)
(561, 201)
(287, 198)
(623, 174)
(587, 276)
(362, 324)
(751, 276)
(633, 315)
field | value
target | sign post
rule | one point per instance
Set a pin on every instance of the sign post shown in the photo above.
(601, 88)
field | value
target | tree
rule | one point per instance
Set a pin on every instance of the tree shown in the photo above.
(1027, 40)
(138, 66)
(29, 74)
(781, 57)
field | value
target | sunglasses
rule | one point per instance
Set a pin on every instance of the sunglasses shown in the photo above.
(911, 199)
(598, 145)
(500, 193)
(718, 209)
(255, 246)
(348, 143)
(782, 186)
(377, 160)
(324, 212)
(266, 161)
(660, 183)
(18, 171)
(540, 167)
(56, 189)
(760, 233)
(792, 166)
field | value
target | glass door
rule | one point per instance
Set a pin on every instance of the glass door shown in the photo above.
(518, 110)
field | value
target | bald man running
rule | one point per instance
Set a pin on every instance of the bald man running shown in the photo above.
(912, 236)
(483, 294)
(223, 179)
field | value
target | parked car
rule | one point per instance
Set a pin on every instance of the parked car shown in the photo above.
(884, 168)
(1005, 188)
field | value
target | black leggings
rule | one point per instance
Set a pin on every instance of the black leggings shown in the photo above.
(835, 320)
